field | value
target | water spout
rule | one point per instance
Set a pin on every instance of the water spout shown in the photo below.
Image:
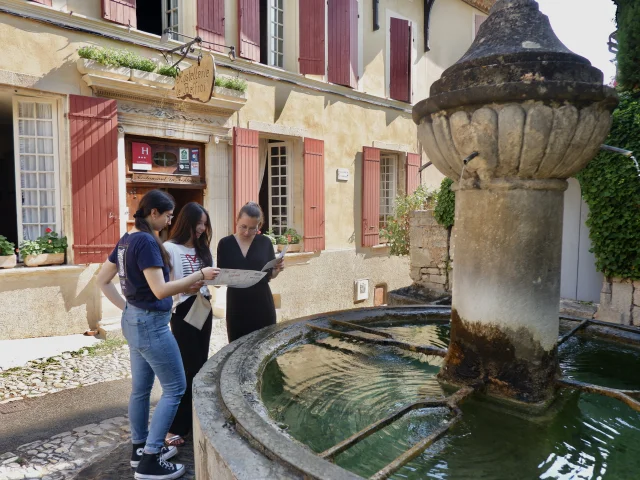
(622, 151)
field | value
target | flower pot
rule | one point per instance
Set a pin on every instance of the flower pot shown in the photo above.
(7, 261)
(275, 249)
(91, 66)
(293, 247)
(44, 259)
(229, 94)
(152, 79)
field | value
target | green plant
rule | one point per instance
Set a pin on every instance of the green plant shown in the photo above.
(6, 247)
(168, 70)
(396, 232)
(628, 39)
(47, 243)
(233, 83)
(281, 240)
(112, 57)
(611, 187)
(445, 210)
(292, 236)
(271, 236)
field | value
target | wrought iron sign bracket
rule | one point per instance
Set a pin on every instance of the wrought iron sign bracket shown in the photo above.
(189, 47)
(428, 5)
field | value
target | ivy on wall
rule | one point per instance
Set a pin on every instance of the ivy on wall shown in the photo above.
(611, 187)
(628, 38)
(445, 204)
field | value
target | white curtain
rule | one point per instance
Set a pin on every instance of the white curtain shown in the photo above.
(263, 152)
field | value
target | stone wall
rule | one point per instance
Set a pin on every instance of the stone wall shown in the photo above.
(620, 301)
(429, 258)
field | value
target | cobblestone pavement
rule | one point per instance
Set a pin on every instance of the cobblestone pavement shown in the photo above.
(95, 451)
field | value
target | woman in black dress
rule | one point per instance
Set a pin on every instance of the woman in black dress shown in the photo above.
(249, 309)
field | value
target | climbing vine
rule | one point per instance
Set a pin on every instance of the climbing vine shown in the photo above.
(628, 38)
(611, 187)
(445, 204)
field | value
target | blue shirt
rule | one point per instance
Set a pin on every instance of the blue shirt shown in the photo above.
(134, 253)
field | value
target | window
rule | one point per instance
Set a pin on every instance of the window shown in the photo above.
(388, 183)
(37, 194)
(279, 175)
(171, 17)
(276, 33)
(165, 159)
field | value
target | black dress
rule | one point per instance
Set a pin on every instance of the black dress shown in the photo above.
(248, 309)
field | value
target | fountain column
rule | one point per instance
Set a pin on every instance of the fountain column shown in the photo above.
(531, 114)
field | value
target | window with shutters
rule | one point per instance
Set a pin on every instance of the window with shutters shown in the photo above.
(276, 189)
(36, 167)
(158, 16)
(399, 41)
(276, 33)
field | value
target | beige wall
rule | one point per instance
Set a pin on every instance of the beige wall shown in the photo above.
(45, 57)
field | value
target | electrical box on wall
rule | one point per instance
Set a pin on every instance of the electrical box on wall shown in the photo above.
(361, 290)
(342, 174)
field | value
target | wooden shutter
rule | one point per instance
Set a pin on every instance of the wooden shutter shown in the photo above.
(120, 11)
(312, 37)
(343, 42)
(400, 52)
(479, 20)
(94, 177)
(370, 196)
(246, 171)
(413, 177)
(210, 25)
(43, 2)
(313, 195)
(249, 31)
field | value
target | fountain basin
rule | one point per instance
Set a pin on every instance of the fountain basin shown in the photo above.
(236, 435)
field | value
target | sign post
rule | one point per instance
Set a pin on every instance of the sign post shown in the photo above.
(196, 82)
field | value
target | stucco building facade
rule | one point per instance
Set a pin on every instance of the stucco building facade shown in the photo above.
(322, 137)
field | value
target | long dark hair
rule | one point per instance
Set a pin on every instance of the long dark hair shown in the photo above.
(184, 230)
(162, 202)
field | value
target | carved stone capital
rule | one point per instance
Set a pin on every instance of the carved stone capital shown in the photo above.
(529, 140)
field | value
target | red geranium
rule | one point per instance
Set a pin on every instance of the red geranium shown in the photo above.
(47, 230)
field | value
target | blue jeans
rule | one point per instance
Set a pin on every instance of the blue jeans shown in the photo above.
(154, 352)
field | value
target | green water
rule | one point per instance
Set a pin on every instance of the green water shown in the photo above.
(327, 390)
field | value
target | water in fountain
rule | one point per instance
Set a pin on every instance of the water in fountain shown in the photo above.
(327, 390)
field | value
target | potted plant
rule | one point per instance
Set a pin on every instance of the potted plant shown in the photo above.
(271, 236)
(48, 249)
(293, 239)
(7, 253)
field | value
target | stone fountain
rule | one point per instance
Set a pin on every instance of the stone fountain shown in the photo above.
(515, 117)
(529, 114)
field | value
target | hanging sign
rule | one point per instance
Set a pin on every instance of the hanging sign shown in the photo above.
(140, 156)
(195, 161)
(196, 82)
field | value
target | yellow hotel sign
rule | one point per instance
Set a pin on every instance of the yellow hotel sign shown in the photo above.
(196, 82)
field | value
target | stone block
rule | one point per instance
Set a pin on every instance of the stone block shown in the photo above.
(415, 274)
(420, 257)
(433, 271)
(636, 293)
(438, 279)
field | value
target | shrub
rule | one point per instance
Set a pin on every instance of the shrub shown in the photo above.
(611, 187)
(445, 204)
(628, 37)
(168, 70)
(112, 57)
(396, 232)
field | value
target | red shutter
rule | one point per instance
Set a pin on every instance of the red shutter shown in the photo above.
(246, 161)
(94, 177)
(400, 52)
(249, 31)
(120, 11)
(413, 177)
(313, 195)
(479, 20)
(43, 2)
(210, 25)
(370, 196)
(343, 42)
(312, 37)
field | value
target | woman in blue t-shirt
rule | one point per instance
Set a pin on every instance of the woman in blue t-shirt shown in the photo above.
(143, 266)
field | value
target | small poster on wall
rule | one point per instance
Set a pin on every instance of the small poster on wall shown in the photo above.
(140, 156)
(183, 163)
(195, 161)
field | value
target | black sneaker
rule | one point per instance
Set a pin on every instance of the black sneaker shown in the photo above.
(153, 467)
(136, 454)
